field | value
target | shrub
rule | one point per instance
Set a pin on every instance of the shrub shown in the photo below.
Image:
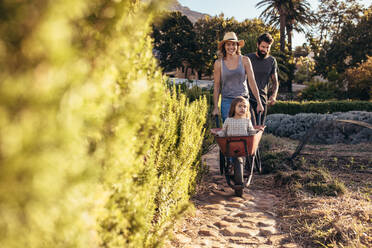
(359, 80)
(320, 91)
(194, 93)
(293, 107)
(177, 155)
(94, 150)
(324, 127)
(305, 69)
(49, 113)
(147, 195)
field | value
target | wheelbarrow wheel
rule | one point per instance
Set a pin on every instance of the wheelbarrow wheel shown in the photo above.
(239, 192)
(238, 176)
(222, 163)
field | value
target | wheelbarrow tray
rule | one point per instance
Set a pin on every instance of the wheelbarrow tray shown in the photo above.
(234, 146)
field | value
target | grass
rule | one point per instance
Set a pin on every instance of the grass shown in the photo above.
(329, 222)
(316, 181)
(325, 195)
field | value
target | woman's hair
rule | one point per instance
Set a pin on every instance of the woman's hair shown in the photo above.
(235, 102)
(222, 52)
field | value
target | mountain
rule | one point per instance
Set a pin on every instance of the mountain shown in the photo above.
(192, 15)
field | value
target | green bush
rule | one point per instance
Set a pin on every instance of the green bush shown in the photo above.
(147, 194)
(305, 69)
(292, 107)
(177, 155)
(360, 80)
(94, 150)
(320, 91)
(195, 93)
(49, 112)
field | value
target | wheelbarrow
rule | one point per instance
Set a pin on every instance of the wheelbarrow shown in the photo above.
(238, 153)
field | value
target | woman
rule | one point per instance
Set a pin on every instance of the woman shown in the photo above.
(231, 72)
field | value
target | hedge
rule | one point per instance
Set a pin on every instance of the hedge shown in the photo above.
(94, 150)
(292, 107)
(194, 93)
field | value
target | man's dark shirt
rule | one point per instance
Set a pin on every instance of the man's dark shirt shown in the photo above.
(263, 69)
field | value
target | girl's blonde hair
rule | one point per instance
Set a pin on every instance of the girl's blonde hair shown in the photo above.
(235, 102)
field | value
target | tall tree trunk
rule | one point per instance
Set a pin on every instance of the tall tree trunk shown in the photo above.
(289, 37)
(282, 19)
(289, 29)
(198, 75)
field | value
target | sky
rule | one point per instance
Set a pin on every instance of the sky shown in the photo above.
(243, 9)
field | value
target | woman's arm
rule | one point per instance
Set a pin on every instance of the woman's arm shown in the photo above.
(223, 132)
(217, 84)
(252, 82)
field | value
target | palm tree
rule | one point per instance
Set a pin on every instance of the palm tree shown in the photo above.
(299, 17)
(275, 8)
(288, 14)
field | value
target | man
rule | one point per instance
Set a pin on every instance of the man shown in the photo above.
(264, 68)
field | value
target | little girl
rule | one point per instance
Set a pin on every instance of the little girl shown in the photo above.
(238, 123)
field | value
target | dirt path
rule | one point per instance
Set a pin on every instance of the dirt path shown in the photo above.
(224, 220)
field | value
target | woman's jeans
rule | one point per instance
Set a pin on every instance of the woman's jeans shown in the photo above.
(225, 107)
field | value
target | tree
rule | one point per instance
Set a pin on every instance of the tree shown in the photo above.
(299, 17)
(251, 30)
(305, 69)
(359, 80)
(175, 41)
(301, 51)
(333, 15)
(279, 10)
(348, 48)
(210, 30)
(288, 15)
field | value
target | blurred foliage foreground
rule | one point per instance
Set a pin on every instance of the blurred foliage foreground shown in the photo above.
(95, 151)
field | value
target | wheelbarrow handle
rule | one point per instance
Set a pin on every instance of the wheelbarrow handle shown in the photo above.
(259, 118)
(217, 121)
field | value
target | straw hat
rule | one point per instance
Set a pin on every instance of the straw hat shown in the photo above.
(230, 36)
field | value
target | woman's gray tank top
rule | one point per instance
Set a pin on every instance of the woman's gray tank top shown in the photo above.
(234, 82)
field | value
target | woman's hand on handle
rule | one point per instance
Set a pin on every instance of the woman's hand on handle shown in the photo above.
(260, 108)
(215, 111)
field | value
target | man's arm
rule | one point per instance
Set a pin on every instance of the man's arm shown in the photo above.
(275, 82)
